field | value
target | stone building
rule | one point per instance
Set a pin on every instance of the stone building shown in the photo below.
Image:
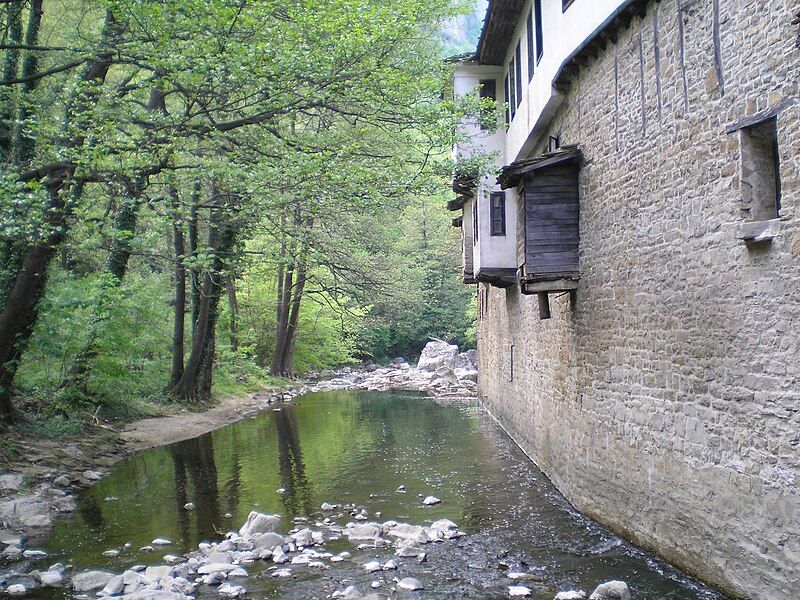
(638, 268)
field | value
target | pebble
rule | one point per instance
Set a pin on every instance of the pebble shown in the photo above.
(430, 500)
(111, 553)
(189, 506)
(372, 566)
(518, 590)
(231, 591)
(571, 595)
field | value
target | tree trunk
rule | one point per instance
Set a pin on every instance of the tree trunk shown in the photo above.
(192, 233)
(195, 383)
(179, 325)
(20, 308)
(291, 329)
(10, 66)
(25, 145)
(20, 311)
(234, 304)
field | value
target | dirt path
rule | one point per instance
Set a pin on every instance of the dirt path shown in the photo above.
(158, 431)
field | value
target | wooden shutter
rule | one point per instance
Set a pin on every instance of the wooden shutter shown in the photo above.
(551, 223)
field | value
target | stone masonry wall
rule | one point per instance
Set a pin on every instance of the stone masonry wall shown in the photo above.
(664, 399)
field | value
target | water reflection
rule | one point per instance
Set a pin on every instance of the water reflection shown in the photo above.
(346, 447)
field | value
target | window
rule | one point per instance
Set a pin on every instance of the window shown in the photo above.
(512, 93)
(497, 215)
(475, 220)
(565, 4)
(537, 17)
(505, 96)
(518, 74)
(531, 61)
(488, 90)
(760, 171)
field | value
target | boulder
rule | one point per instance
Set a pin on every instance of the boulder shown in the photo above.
(611, 590)
(89, 581)
(268, 541)
(259, 523)
(437, 354)
(467, 360)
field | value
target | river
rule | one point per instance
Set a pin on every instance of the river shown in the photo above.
(359, 448)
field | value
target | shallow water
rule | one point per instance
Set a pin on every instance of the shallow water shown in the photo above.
(346, 447)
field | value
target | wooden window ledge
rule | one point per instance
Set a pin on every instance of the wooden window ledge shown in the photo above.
(754, 232)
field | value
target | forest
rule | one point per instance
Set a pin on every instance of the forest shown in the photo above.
(201, 197)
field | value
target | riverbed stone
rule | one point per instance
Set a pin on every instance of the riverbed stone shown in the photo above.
(230, 591)
(362, 531)
(16, 590)
(89, 581)
(10, 539)
(209, 568)
(611, 590)
(410, 584)
(157, 573)
(571, 595)
(51, 578)
(431, 500)
(149, 594)
(518, 591)
(11, 481)
(114, 586)
(259, 523)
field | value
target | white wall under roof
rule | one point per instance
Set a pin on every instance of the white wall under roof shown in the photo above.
(564, 32)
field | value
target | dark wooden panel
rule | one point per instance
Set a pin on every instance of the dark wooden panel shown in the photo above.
(552, 246)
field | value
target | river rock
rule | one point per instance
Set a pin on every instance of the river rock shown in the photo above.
(413, 533)
(156, 595)
(114, 586)
(65, 504)
(364, 531)
(219, 557)
(230, 591)
(16, 590)
(372, 566)
(216, 568)
(518, 591)
(88, 581)
(11, 553)
(61, 481)
(34, 554)
(11, 482)
(430, 500)
(611, 590)
(571, 595)
(268, 541)
(259, 523)
(158, 573)
(10, 539)
(409, 583)
(161, 542)
(51, 578)
(28, 511)
(437, 354)
(92, 475)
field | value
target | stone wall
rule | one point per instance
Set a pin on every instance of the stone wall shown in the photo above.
(663, 399)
